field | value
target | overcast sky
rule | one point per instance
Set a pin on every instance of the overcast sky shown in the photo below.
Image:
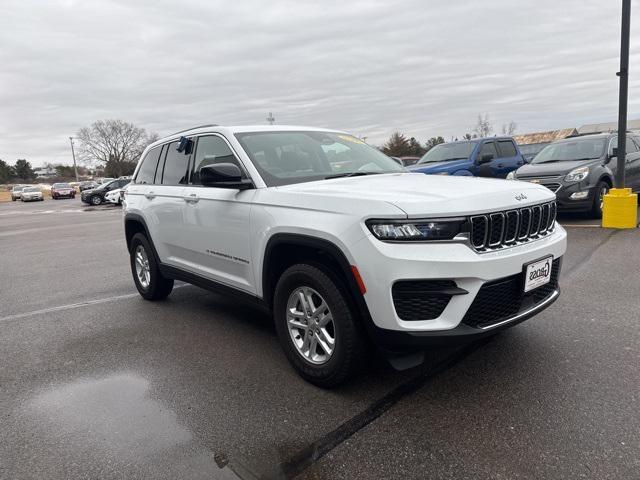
(423, 67)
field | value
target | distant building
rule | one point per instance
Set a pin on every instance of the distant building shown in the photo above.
(45, 172)
(632, 125)
(531, 143)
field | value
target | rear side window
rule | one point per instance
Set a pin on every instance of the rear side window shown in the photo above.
(212, 149)
(506, 148)
(147, 170)
(175, 166)
(488, 148)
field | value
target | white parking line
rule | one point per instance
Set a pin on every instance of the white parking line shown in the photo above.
(73, 306)
(579, 225)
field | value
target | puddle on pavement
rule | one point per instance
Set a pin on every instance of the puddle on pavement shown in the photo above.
(115, 412)
(113, 421)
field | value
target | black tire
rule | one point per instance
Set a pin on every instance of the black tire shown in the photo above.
(159, 287)
(95, 200)
(349, 351)
(13, 199)
(596, 208)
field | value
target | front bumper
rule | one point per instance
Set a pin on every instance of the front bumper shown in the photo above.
(397, 341)
(567, 204)
(456, 262)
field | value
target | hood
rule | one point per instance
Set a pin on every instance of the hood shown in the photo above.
(91, 190)
(552, 168)
(435, 167)
(417, 194)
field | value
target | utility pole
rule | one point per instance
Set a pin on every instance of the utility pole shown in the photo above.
(620, 205)
(75, 168)
(624, 89)
(271, 119)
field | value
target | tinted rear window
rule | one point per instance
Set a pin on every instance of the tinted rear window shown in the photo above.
(506, 148)
(147, 170)
(175, 166)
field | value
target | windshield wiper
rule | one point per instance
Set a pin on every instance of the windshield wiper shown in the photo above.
(443, 160)
(351, 174)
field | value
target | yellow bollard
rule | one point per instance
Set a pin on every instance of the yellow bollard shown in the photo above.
(620, 209)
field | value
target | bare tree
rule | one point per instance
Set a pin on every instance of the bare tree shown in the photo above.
(113, 145)
(483, 126)
(510, 128)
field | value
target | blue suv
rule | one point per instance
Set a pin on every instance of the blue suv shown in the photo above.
(491, 157)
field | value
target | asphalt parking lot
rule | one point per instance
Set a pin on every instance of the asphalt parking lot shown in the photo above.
(98, 383)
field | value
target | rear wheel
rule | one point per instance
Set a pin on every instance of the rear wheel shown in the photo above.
(146, 271)
(598, 200)
(316, 327)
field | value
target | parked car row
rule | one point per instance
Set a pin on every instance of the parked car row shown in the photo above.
(578, 169)
(98, 195)
(91, 192)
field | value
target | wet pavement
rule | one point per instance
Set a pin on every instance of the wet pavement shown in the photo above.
(98, 383)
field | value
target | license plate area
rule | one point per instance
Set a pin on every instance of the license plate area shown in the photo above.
(538, 273)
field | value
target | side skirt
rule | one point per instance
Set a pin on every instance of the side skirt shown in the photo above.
(169, 271)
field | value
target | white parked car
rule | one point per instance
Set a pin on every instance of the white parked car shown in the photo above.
(113, 196)
(339, 242)
(31, 194)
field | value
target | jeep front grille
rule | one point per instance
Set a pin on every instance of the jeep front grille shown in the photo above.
(503, 229)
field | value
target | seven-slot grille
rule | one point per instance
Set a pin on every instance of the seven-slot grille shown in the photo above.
(504, 229)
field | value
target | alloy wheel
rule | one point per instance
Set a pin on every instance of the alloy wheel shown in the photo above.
(603, 192)
(311, 325)
(142, 267)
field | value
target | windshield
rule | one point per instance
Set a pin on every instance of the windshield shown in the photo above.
(107, 186)
(18, 189)
(564, 151)
(31, 189)
(448, 151)
(283, 158)
(61, 185)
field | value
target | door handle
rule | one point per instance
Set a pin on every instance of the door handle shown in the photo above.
(500, 165)
(193, 198)
(150, 195)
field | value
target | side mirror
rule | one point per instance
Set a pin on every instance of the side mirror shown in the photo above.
(223, 175)
(486, 158)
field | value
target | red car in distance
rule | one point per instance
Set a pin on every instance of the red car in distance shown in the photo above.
(62, 190)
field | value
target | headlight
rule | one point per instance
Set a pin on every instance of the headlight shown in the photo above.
(420, 230)
(577, 174)
(511, 175)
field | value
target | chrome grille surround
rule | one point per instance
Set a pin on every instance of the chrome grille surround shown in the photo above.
(494, 231)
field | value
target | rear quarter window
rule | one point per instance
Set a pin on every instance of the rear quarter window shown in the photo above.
(147, 171)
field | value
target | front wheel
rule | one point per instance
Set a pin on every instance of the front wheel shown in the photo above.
(598, 200)
(316, 327)
(96, 200)
(146, 272)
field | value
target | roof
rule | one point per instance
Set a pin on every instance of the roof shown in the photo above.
(608, 127)
(544, 137)
(232, 129)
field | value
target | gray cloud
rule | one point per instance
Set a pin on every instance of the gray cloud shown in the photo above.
(424, 67)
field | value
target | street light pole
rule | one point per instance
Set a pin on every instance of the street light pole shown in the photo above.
(624, 88)
(75, 168)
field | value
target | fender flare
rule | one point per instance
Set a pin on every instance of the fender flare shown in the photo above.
(323, 245)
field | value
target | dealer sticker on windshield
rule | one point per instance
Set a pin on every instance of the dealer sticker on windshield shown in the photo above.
(537, 273)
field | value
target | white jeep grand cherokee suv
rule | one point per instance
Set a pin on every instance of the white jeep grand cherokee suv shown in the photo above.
(339, 242)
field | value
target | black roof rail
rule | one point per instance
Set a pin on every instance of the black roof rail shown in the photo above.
(595, 133)
(193, 128)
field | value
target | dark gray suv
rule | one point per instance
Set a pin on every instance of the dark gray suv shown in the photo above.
(581, 169)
